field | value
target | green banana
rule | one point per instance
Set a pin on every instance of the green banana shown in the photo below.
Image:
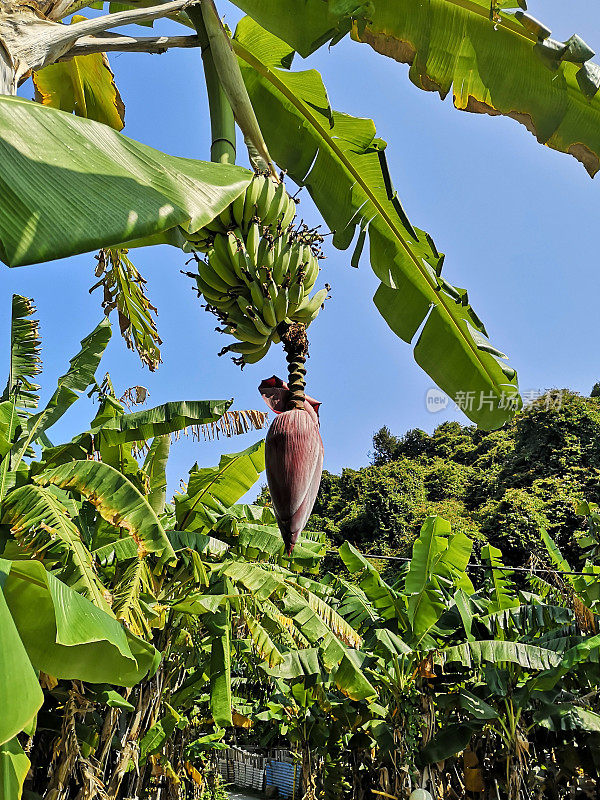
(312, 273)
(309, 307)
(253, 243)
(252, 194)
(245, 348)
(288, 214)
(261, 327)
(296, 295)
(276, 206)
(281, 265)
(248, 333)
(253, 358)
(208, 274)
(221, 265)
(268, 312)
(265, 199)
(257, 296)
(237, 209)
(208, 291)
(281, 305)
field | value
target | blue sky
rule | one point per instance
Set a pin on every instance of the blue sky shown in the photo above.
(517, 221)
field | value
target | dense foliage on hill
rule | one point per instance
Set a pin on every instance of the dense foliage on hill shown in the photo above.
(500, 487)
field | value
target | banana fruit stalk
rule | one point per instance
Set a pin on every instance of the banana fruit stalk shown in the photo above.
(259, 269)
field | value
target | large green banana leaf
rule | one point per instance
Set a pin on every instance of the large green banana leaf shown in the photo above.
(117, 500)
(61, 633)
(217, 488)
(342, 163)
(494, 651)
(495, 63)
(18, 707)
(70, 185)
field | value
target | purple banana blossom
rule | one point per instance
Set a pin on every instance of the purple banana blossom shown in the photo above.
(294, 459)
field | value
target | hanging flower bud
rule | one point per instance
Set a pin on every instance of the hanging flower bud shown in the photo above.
(294, 459)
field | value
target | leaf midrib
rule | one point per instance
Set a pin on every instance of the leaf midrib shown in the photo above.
(440, 301)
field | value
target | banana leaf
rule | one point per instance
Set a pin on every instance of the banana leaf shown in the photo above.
(25, 362)
(20, 693)
(116, 499)
(67, 636)
(84, 85)
(42, 525)
(70, 185)
(494, 650)
(494, 61)
(14, 766)
(217, 488)
(343, 165)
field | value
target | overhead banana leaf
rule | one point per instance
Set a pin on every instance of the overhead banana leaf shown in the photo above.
(116, 499)
(65, 635)
(57, 171)
(342, 163)
(42, 525)
(495, 61)
(217, 488)
(84, 85)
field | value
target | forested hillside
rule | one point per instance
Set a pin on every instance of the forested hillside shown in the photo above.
(500, 486)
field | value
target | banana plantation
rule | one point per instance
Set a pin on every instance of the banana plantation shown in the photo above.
(153, 620)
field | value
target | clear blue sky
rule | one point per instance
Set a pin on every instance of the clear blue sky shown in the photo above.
(518, 223)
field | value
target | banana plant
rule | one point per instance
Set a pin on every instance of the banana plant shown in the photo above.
(156, 198)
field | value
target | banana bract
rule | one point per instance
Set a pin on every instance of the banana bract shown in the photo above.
(293, 458)
(259, 269)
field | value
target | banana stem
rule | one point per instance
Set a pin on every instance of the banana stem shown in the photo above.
(295, 343)
(222, 122)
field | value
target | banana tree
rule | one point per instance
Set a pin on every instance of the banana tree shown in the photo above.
(156, 198)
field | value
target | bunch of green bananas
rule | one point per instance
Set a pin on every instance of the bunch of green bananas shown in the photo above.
(259, 268)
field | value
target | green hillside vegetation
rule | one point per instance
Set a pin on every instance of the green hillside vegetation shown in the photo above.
(500, 487)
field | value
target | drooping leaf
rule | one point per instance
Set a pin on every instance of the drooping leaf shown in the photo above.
(494, 63)
(383, 598)
(154, 739)
(25, 362)
(56, 171)
(84, 85)
(116, 499)
(342, 164)
(20, 694)
(66, 635)
(42, 525)
(501, 596)
(123, 289)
